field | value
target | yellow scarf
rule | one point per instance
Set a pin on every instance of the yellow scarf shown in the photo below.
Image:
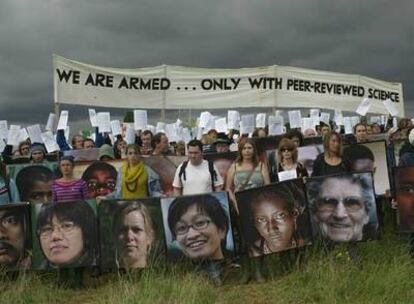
(134, 181)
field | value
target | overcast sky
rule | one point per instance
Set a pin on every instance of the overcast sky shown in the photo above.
(372, 38)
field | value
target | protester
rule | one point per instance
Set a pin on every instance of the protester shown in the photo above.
(106, 153)
(8, 191)
(146, 138)
(67, 188)
(296, 136)
(120, 147)
(247, 172)
(196, 175)
(330, 161)
(180, 148)
(160, 144)
(135, 180)
(88, 143)
(37, 153)
(259, 132)
(360, 132)
(222, 144)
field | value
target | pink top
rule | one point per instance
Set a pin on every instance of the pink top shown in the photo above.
(72, 191)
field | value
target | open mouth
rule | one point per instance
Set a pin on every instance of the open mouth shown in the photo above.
(196, 245)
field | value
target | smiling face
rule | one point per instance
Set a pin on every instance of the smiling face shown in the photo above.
(61, 241)
(198, 236)
(340, 210)
(134, 240)
(11, 238)
(274, 223)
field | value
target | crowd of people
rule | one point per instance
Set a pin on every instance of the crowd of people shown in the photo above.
(194, 223)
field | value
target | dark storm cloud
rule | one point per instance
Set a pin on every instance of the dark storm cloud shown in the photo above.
(372, 38)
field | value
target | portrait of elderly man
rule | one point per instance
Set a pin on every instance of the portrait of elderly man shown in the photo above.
(14, 253)
(343, 207)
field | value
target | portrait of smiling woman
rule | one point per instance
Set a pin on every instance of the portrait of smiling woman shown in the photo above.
(200, 226)
(67, 234)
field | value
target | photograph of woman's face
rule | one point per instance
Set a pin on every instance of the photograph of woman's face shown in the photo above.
(198, 236)
(62, 241)
(134, 240)
(274, 223)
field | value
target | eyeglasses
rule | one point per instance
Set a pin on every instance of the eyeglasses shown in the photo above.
(351, 204)
(279, 217)
(9, 221)
(95, 185)
(198, 225)
(47, 230)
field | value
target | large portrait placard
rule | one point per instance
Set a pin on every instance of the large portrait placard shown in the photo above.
(132, 234)
(198, 227)
(343, 207)
(64, 235)
(274, 218)
(15, 236)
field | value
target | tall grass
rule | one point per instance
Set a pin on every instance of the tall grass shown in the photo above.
(383, 274)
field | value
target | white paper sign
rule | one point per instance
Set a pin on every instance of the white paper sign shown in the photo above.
(355, 120)
(116, 127)
(391, 107)
(103, 120)
(2, 145)
(375, 119)
(307, 123)
(275, 125)
(186, 136)
(394, 122)
(3, 129)
(51, 122)
(221, 125)
(211, 123)
(286, 175)
(92, 117)
(171, 132)
(23, 135)
(295, 119)
(261, 120)
(35, 134)
(49, 140)
(13, 135)
(363, 107)
(314, 115)
(339, 118)
(247, 124)
(140, 119)
(130, 135)
(348, 125)
(67, 132)
(204, 119)
(325, 117)
(160, 127)
(233, 120)
(63, 120)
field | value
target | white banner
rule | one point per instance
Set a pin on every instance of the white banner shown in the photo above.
(175, 87)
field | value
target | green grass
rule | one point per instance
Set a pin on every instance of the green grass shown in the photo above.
(383, 274)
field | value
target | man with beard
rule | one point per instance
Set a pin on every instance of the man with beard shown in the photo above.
(12, 239)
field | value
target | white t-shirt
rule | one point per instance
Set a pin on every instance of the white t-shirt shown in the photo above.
(198, 179)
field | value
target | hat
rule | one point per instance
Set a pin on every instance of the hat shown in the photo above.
(106, 150)
(37, 147)
(222, 139)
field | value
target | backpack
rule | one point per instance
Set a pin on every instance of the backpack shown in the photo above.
(213, 174)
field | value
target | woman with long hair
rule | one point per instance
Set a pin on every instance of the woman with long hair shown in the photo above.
(246, 172)
(330, 161)
(288, 159)
(136, 180)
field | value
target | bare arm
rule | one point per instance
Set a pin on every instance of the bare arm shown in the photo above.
(230, 187)
(177, 191)
(265, 174)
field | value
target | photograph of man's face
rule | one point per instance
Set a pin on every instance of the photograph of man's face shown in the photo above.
(404, 183)
(34, 184)
(343, 206)
(12, 237)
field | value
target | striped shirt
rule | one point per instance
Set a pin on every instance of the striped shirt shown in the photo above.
(71, 191)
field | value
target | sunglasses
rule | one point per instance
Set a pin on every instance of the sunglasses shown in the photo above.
(286, 149)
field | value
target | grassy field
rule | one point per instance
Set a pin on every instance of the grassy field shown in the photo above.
(383, 274)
